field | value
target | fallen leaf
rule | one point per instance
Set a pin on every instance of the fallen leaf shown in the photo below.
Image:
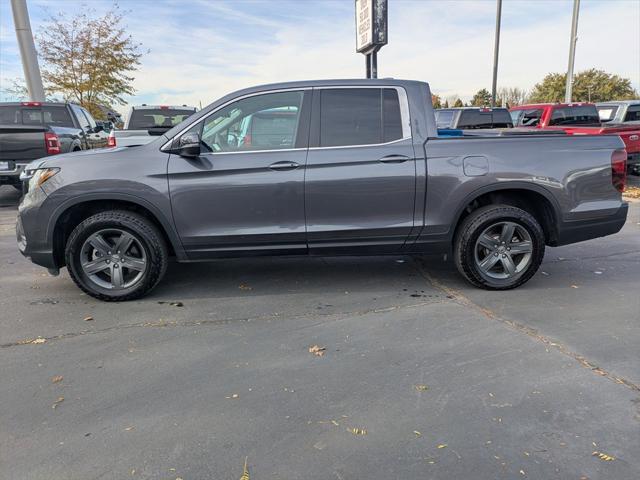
(317, 350)
(235, 395)
(56, 379)
(88, 319)
(32, 341)
(245, 470)
(421, 388)
(522, 472)
(335, 423)
(603, 456)
(544, 273)
(244, 286)
(442, 445)
(172, 304)
(574, 286)
(128, 429)
(358, 431)
(418, 434)
(57, 402)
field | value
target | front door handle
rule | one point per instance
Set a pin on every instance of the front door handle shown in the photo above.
(284, 166)
(394, 159)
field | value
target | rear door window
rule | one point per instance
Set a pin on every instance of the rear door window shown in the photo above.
(607, 112)
(84, 123)
(633, 113)
(530, 118)
(359, 116)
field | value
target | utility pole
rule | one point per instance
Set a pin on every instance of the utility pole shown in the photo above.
(572, 51)
(27, 50)
(496, 48)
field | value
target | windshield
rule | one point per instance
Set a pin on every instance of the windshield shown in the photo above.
(45, 115)
(607, 112)
(142, 119)
(575, 115)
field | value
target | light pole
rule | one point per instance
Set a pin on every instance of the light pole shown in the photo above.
(572, 51)
(27, 50)
(496, 48)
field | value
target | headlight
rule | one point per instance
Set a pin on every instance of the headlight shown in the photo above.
(39, 176)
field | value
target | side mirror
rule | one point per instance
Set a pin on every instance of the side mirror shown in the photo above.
(189, 146)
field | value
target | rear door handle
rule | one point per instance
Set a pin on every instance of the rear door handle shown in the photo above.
(394, 159)
(284, 166)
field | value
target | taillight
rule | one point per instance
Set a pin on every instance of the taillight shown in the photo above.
(619, 169)
(31, 104)
(52, 143)
(111, 140)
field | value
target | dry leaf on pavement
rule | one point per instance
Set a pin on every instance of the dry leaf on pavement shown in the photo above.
(317, 350)
(421, 388)
(358, 431)
(56, 379)
(245, 471)
(244, 286)
(88, 319)
(603, 456)
(57, 402)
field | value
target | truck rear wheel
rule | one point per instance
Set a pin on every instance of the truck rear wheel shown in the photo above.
(116, 255)
(499, 247)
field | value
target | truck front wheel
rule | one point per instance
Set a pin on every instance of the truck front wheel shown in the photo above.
(116, 255)
(499, 247)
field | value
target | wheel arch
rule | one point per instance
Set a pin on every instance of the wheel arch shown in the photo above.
(67, 216)
(532, 198)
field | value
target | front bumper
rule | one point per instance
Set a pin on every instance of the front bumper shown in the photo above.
(580, 230)
(31, 231)
(11, 176)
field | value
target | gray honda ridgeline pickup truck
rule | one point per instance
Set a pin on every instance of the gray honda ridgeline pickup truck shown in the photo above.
(351, 167)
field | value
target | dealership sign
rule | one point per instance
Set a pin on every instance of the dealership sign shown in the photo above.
(371, 25)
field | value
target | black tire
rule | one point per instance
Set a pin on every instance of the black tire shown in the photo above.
(468, 235)
(148, 238)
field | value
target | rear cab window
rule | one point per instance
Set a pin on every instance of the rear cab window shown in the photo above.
(575, 115)
(485, 118)
(145, 118)
(43, 115)
(359, 116)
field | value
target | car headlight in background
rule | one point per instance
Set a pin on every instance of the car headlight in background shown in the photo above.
(38, 176)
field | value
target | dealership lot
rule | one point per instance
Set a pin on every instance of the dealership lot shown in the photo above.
(422, 376)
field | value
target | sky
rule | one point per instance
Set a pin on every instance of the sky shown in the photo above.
(200, 50)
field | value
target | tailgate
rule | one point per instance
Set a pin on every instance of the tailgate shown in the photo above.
(22, 143)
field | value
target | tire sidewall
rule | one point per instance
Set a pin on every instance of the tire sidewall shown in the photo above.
(474, 228)
(94, 224)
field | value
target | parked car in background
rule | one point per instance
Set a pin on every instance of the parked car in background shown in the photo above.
(468, 118)
(146, 122)
(30, 130)
(332, 167)
(621, 111)
(579, 119)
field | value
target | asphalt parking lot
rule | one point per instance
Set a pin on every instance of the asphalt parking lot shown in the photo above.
(422, 376)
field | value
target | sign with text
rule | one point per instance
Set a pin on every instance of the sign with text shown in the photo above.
(371, 25)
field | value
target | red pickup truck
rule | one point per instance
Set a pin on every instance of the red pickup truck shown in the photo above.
(578, 119)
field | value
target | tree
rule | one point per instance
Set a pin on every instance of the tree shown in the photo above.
(88, 59)
(435, 100)
(508, 97)
(588, 86)
(446, 104)
(458, 103)
(482, 98)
